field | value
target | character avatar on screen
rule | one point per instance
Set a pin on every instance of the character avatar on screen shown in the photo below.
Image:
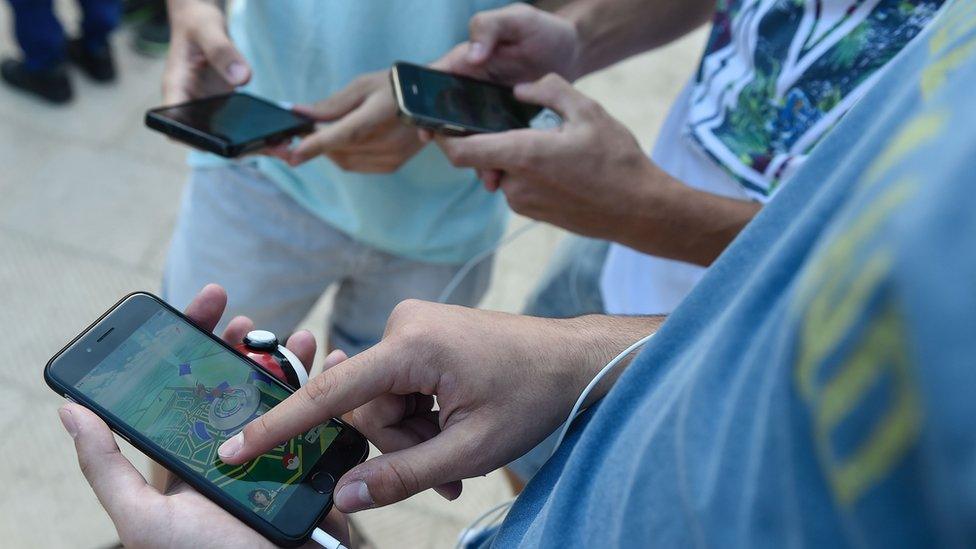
(177, 387)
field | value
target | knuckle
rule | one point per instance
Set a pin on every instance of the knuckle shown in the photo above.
(319, 388)
(551, 79)
(257, 430)
(405, 310)
(590, 108)
(397, 481)
(477, 22)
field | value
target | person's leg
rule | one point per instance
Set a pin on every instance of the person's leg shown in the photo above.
(569, 288)
(39, 33)
(100, 18)
(238, 229)
(91, 51)
(380, 281)
(41, 72)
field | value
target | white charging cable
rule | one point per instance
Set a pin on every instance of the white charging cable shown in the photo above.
(476, 260)
(497, 513)
(320, 537)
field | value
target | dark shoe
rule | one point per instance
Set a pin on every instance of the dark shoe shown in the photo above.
(51, 84)
(152, 36)
(98, 64)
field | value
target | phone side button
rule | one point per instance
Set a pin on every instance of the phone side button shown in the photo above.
(453, 128)
(69, 399)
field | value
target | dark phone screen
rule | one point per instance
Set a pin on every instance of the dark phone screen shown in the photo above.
(463, 101)
(236, 118)
(188, 394)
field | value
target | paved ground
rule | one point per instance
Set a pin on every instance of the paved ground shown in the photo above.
(87, 201)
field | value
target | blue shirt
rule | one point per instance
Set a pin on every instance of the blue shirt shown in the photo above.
(302, 51)
(816, 389)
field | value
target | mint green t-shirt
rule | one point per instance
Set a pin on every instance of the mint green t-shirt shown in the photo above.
(302, 51)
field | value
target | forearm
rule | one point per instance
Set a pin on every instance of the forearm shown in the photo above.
(612, 30)
(598, 339)
(675, 221)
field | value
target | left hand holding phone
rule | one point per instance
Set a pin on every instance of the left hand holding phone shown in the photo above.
(180, 517)
(363, 134)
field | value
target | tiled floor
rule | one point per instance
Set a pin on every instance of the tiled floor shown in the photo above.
(87, 201)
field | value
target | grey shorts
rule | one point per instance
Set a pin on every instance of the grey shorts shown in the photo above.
(276, 259)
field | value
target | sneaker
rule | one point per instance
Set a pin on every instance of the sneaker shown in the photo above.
(98, 64)
(151, 37)
(50, 84)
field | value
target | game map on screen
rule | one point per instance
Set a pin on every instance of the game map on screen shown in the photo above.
(188, 395)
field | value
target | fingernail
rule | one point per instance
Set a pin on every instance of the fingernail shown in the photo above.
(231, 446)
(354, 497)
(237, 72)
(476, 51)
(520, 88)
(68, 421)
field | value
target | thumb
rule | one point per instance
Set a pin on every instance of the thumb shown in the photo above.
(393, 477)
(222, 55)
(338, 104)
(118, 485)
(554, 92)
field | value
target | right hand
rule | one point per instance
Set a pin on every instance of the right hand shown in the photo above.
(515, 44)
(202, 59)
(502, 384)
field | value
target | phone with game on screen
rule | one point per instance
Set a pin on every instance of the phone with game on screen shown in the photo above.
(177, 392)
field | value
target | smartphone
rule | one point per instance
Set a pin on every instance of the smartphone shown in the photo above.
(177, 393)
(457, 105)
(229, 125)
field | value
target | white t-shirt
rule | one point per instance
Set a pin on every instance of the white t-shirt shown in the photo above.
(636, 283)
(774, 79)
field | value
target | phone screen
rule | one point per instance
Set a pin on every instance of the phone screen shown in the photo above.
(188, 394)
(235, 118)
(481, 106)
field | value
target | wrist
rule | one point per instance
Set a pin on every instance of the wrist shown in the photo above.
(592, 341)
(579, 20)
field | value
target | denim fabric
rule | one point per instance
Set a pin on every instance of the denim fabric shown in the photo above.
(41, 36)
(815, 389)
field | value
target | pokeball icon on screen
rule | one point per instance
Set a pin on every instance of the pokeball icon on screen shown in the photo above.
(290, 461)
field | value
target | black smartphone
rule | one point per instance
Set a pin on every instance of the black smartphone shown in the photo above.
(229, 125)
(456, 105)
(177, 393)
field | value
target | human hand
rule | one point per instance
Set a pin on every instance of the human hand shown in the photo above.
(180, 517)
(364, 134)
(516, 43)
(590, 176)
(502, 384)
(202, 61)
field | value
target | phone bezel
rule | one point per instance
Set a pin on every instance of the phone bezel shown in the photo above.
(440, 125)
(348, 450)
(195, 137)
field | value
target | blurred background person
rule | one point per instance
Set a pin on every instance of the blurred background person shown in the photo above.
(41, 71)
